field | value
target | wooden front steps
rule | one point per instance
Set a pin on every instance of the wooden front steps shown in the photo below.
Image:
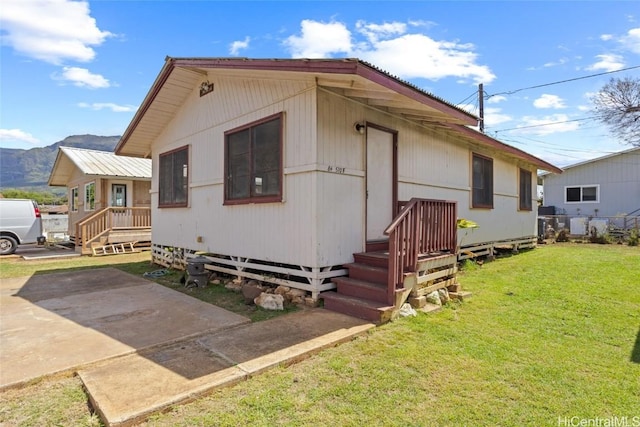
(363, 293)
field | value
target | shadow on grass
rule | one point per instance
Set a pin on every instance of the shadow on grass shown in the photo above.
(635, 353)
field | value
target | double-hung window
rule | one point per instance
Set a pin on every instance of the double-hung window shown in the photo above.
(582, 194)
(525, 195)
(253, 162)
(482, 182)
(174, 178)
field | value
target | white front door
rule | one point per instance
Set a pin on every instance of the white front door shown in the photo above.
(379, 183)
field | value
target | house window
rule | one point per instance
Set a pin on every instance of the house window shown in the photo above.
(525, 195)
(90, 196)
(173, 178)
(73, 199)
(482, 182)
(582, 194)
(253, 165)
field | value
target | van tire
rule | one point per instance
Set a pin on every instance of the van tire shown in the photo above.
(8, 245)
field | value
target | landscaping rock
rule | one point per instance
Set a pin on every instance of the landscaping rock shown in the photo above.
(444, 296)
(270, 301)
(434, 298)
(296, 296)
(234, 285)
(406, 310)
(216, 282)
(282, 290)
(251, 290)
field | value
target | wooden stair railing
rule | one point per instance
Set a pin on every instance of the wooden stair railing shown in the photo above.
(93, 227)
(423, 226)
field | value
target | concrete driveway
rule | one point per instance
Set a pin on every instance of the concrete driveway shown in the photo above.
(157, 347)
(56, 322)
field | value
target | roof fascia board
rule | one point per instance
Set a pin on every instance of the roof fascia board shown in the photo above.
(164, 74)
(501, 146)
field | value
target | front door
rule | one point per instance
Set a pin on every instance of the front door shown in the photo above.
(119, 195)
(380, 182)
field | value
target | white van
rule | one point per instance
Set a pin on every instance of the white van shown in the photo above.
(20, 223)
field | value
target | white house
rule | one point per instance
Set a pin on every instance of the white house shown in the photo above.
(607, 186)
(283, 169)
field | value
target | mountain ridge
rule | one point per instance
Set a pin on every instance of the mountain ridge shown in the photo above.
(30, 169)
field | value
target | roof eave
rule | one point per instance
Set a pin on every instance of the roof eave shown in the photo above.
(345, 66)
(501, 146)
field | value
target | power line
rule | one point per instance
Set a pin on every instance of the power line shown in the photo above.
(546, 124)
(511, 92)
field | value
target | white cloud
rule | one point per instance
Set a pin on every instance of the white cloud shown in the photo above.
(560, 61)
(51, 30)
(606, 37)
(547, 125)
(388, 45)
(496, 99)
(374, 32)
(238, 45)
(494, 116)
(631, 41)
(549, 101)
(319, 40)
(17, 135)
(97, 106)
(607, 62)
(82, 77)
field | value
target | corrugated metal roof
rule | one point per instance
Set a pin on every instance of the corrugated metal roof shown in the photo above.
(103, 163)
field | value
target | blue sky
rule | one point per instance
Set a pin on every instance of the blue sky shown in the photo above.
(75, 67)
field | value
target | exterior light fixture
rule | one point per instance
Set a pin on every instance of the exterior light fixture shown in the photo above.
(359, 127)
(206, 88)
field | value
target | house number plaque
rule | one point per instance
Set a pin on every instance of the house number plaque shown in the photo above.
(335, 169)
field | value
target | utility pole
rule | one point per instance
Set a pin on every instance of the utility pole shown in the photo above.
(481, 107)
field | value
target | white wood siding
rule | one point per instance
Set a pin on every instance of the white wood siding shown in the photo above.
(619, 180)
(277, 232)
(322, 219)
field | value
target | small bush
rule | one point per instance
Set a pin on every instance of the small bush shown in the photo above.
(634, 237)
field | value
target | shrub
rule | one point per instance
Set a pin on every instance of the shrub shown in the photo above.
(634, 237)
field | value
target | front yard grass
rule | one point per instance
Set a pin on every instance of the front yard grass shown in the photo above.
(550, 337)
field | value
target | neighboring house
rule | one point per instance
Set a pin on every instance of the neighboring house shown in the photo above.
(608, 186)
(109, 199)
(283, 169)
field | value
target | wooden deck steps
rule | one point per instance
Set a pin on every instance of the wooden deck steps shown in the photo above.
(364, 293)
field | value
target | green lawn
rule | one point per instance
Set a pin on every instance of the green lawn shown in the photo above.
(550, 335)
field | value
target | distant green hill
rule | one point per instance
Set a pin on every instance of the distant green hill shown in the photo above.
(30, 169)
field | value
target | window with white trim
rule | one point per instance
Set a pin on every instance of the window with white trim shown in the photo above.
(582, 194)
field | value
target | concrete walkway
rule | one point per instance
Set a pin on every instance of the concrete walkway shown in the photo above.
(140, 347)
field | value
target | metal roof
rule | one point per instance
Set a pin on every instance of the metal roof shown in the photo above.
(97, 163)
